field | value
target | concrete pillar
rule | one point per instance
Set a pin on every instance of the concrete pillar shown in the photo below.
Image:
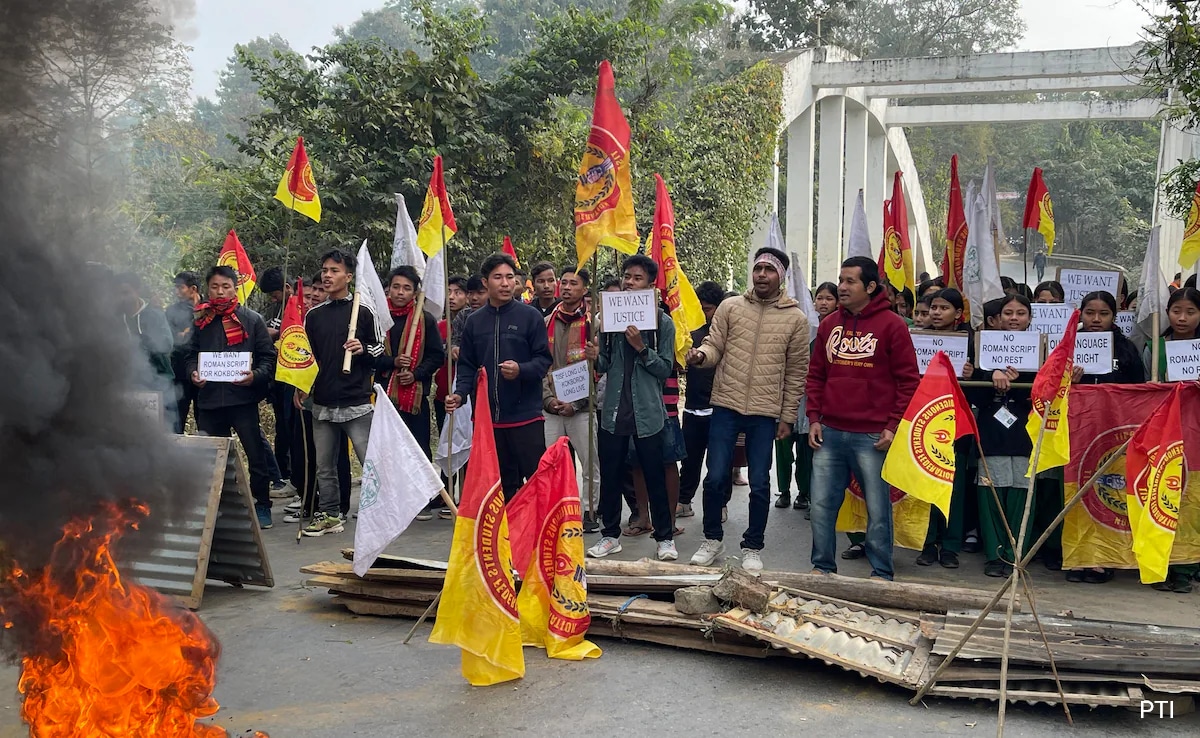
(830, 193)
(879, 184)
(856, 168)
(762, 224)
(801, 170)
(1176, 146)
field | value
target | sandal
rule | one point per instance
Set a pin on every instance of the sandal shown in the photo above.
(635, 530)
(679, 531)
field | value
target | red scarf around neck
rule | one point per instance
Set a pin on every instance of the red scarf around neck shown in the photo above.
(574, 353)
(206, 312)
(407, 399)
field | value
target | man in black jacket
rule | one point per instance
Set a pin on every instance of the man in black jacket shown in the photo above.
(508, 338)
(224, 325)
(697, 406)
(180, 318)
(341, 402)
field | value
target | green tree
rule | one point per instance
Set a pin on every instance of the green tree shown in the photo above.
(1170, 64)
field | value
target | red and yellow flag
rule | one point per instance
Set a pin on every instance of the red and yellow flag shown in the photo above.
(921, 459)
(296, 364)
(910, 516)
(895, 257)
(297, 188)
(546, 530)
(234, 256)
(1051, 388)
(478, 611)
(604, 193)
(1155, 470)
(677, 291)
(1039, 209)
(956, 234)
(1190, 252)
(509, 249)
(437, 225)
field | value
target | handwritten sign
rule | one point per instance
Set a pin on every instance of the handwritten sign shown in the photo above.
(619, 310)
(1183, 360)
(1094, 352)
(571, 382)
(1050, 319)
(928, 343)
(223, 366)
(1022, 350)
(1127, 321)
(1078, 282)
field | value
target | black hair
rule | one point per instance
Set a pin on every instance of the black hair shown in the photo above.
(829, 287)
(1190, 283)
(1008, 283)
(316, 279)
(870, 271)
(1192, 295)
(584, 275)
(220, 270)
(1129, 299)
(1013, 298)
(458, 281)
(992, 309)
(1102, 296)
(188, 279)
(924, 277)
(926, 300)
(337, 256)
(783, 258)
(1023, 289)
(645, 262)
(610, 282)
(928, 284)
(495, 261)
(907, 296)
(540, 267)
(475, 284)
(1053, 286)
(408, 272)
(271, 280)
(950, 295)
(710, 293)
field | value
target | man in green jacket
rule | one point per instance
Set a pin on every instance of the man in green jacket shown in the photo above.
(637, 365)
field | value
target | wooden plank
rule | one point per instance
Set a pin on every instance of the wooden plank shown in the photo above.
(1127, 699)
(360, 606)
(388, 561)
(374, 589)
(415, 576)
(1109, 629)
(692, 640)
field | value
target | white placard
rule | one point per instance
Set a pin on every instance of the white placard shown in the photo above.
(928, 343)
(1022, 350)
(223, 366)
(619, 310)
(147, 404)
(1127, 320)
(1094, 352)
(1183, 360)
(571, 382)
(1051, 319)
(1078, 282)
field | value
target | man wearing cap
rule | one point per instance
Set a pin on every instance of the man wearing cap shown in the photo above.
(758, 343)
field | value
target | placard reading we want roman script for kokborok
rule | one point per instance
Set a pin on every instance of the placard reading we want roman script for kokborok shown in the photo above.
(1021, 350)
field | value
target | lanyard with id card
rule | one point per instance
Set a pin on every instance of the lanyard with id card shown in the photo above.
(1005, 416)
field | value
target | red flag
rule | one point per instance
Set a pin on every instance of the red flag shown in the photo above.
(1060, 362)
(437, 224)
(234, 256)
(1039, 209)
(507, 248)
(297, 189)
(1156, 468)
(895, 255)
(956, 233)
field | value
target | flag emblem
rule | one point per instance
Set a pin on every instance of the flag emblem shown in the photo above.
(933, 428)
(569, 613)
(895, 255)
(492, 565)
(1105, 501)
(294, 353)
(245, 281)
(597, 186)
(1047, 206)
(1165, 477)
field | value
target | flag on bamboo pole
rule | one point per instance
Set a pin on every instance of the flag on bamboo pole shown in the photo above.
(437, 225)
(956, 233)
(1152, 289)
(796, 281)
(478, 611)
(297, 188)
(234, 256)
(921, 459)
(682, 302)
(546, 530)
(1155, 470)
(604, 193)
(858, 242)
(1189, 253)
(1051, 388)
(367, 282)
(895, 255)
(981, 277)
(1039, 209)
(295, 364)
(405, 251)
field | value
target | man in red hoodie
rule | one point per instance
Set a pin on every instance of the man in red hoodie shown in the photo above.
(861, 377)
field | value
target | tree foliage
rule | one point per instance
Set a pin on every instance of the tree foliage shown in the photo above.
(1170, 64)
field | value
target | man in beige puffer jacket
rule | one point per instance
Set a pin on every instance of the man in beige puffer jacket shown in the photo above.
(759, 345)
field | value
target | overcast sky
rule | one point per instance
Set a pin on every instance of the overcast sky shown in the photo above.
(219, 24)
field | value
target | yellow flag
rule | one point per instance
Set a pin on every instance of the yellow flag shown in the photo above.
(1056, 446)
(910, 516)
(604, 191)
(296, 364)
(1155, 469)
(1190, 253)
(437, 219)
(297, 188)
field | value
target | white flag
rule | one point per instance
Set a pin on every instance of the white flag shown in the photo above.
(367, 283)
(434, 284)
(992, 200)
(981, 278)
(859, 241)
(464, 429)
(795, 281)
(1152, 289)
(404, 242)
(397, 483)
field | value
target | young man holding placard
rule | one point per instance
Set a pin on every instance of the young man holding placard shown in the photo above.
(224, 326)
(508, 338)
(338, 328)
(568, 331)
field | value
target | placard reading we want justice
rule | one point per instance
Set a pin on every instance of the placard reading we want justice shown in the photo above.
(619, 310)
(1078, 282)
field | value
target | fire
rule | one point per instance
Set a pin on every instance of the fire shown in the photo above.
(103, 657)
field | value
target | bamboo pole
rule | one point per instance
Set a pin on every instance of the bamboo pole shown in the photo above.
(448, 495)
(1155, 349)
(592, 463)
(349, 357)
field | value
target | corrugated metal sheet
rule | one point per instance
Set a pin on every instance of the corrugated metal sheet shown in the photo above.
(1040, 692)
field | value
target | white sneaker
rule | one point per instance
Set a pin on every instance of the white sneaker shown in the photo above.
(667, 551)
(751, 560)
(294, 504)
(709, 552)
(287, 490)
(293, 517)
(604, 547)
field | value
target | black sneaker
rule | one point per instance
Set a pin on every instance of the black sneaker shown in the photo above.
(784, 500)
(948, 559)
(929, 555)
(971, 544)
(589, 523)
(856, 551)
(801, 503)
(994, 569)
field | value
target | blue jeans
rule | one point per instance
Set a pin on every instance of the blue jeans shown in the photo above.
(841, 454)
(723, 431)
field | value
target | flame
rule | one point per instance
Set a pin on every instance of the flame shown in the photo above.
(103, 657)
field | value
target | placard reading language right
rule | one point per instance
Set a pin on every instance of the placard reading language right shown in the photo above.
(1183, 360)
(1021, 350)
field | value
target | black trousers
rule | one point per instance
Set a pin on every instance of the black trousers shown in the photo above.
(304, 466)
(242, 420)
(285, 412)
(519, 449)
(695, 441)
(185, 398)
(612, 450)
